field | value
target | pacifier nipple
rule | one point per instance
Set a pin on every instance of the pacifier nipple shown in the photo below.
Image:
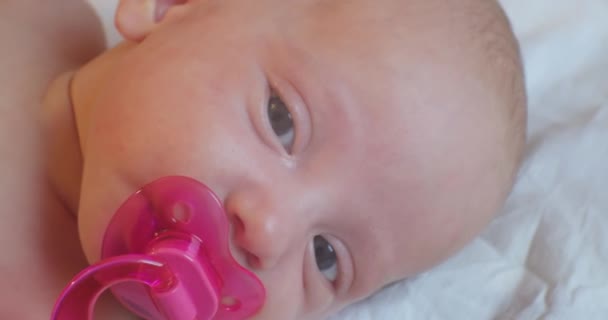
(166, 256)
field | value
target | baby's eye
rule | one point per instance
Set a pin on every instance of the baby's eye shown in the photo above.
(327, 260)
(281, 121)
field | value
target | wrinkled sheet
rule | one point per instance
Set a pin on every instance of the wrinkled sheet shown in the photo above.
(546, 255)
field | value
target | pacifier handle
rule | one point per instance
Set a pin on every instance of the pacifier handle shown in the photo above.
(78, 299)
(172, 276)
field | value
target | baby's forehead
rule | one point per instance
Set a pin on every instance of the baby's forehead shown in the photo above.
(379, 40)
(379, 21)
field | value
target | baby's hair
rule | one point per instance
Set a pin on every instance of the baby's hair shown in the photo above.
(503, 64)
(504, 58)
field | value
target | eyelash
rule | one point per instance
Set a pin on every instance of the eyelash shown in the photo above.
(272, 91)
(291, 132)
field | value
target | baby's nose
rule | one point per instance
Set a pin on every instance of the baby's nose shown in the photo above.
(262, 228)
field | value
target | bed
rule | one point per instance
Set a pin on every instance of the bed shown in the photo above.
(546, 255)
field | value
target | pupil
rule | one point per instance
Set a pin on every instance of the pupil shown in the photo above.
(324, 253)
(280, 118)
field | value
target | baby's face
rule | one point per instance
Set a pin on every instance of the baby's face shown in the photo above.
(342, 141)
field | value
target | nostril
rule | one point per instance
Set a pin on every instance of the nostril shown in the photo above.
(238, 225)
(254, 261)
(255, 227)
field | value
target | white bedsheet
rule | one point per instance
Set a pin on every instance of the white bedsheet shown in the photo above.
(546, 255)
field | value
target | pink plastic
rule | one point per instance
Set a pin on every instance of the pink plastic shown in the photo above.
(166, 256)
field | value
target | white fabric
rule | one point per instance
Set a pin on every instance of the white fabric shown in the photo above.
(546, 255)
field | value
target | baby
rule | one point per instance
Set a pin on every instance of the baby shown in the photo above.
(353, 143)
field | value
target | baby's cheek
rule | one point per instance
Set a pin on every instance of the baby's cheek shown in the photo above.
(91, 229)
(104, 189)
(281, 304)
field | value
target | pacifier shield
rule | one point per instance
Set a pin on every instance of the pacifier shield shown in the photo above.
(166, 256)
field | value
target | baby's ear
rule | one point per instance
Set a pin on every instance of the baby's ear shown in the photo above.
(135, 19)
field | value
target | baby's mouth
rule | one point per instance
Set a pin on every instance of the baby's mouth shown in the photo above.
(166, 256)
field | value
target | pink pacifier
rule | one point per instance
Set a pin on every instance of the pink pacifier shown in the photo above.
(166, 256)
